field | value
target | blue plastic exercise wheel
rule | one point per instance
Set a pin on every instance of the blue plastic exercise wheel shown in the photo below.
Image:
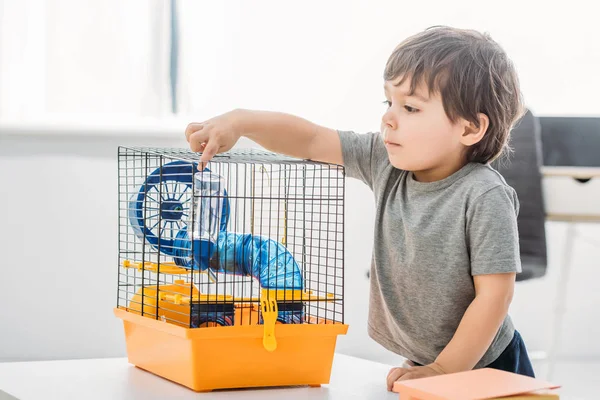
(162, 206)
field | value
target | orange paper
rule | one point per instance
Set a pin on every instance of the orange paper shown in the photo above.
(479, 384)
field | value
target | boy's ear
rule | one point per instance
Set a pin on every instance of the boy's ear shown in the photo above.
(473, 134)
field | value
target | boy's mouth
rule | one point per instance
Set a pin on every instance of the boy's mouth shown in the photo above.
(391, 144)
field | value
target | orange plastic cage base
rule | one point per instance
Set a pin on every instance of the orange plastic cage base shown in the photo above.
(206, 359)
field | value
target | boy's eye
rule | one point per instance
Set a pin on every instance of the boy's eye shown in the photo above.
(408, 108)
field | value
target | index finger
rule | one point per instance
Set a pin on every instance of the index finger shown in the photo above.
(209, 152)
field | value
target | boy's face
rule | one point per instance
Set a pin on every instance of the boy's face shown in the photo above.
(418, 134)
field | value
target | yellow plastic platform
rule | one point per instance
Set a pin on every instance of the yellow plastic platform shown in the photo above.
(206, 359)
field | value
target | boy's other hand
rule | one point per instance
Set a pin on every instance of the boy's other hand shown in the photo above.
(216, 135)
(404, 374)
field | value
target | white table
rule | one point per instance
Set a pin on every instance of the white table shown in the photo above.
(115, 378)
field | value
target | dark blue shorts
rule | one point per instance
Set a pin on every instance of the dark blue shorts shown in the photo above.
(514, 358)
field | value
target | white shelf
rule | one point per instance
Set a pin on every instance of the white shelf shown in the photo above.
(96, 125)
(573, 172)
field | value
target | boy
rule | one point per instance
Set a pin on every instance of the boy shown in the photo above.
(446, 248)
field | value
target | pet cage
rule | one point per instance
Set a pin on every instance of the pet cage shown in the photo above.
(232, 276)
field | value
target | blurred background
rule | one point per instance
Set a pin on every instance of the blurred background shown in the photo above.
(78, 79)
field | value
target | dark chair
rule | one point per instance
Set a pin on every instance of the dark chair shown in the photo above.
(521, 169)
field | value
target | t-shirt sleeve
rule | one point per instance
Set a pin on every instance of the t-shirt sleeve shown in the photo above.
(360, 154)
(492, 232)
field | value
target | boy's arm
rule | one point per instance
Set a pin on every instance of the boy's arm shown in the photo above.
(291, 135)
(474, 334)
(278, 132)
(479, 324)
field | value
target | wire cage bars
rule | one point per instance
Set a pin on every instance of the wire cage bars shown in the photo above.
(254, 237)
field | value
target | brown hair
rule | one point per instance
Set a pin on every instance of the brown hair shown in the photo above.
(472, 74)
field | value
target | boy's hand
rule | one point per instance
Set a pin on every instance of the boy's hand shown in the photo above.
(403, 374)
(213, 136)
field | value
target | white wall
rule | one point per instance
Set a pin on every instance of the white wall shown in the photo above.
(325, 59)
(59, 246)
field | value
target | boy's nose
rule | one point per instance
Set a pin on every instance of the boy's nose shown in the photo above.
(388, 121)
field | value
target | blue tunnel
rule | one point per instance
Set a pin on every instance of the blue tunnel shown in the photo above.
(241, 254)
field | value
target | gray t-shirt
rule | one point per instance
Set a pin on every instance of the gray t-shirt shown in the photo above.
(430, 239)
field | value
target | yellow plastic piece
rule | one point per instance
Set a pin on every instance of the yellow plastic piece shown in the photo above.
(286, 295)
(269, 314)
(207, 359)
(171, 307)
(165, 268)
(293, 295)
(178, 298)
(173, 301)
(281, 295)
